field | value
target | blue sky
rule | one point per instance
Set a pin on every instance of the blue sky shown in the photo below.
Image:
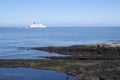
(60, 12)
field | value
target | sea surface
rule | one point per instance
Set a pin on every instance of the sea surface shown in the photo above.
(14, 39)
(32, 74)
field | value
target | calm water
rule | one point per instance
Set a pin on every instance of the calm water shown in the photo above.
(32, 74)
(11, 39)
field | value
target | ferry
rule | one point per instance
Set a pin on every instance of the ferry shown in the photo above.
(34, 25)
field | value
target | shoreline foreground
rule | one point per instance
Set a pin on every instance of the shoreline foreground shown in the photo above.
(86, 62)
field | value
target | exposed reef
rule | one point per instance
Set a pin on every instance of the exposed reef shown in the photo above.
(85, 52)
(82, 69)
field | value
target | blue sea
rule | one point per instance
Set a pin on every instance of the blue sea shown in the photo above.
(13, 38)
(32, 74)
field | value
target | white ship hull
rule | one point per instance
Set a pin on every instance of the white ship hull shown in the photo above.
(37, 26)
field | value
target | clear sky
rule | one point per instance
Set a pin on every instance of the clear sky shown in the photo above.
(60, 12)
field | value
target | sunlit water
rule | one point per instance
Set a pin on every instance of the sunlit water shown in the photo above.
(11, 39)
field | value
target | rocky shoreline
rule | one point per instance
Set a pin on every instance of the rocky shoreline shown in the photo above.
(82, 69)
(86, 62)
(85, 52)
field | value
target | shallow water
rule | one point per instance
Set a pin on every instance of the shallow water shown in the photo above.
(32, 74)
(11, 39)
